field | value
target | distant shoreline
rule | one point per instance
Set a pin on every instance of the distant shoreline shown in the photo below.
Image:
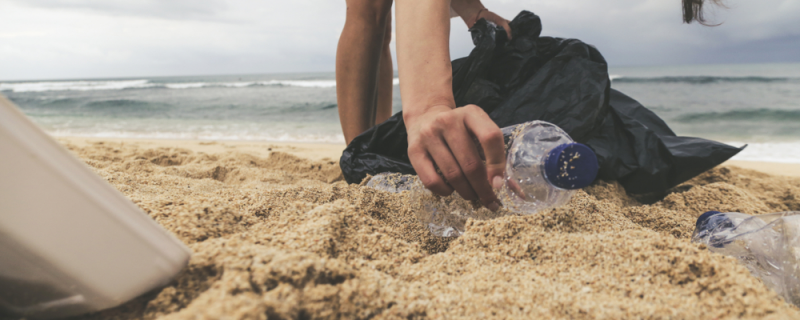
(308, 150)
(333, 151)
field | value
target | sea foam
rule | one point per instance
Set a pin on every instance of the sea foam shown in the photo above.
(144, 83)
(783, 152)
(74, 85)
(699, 79)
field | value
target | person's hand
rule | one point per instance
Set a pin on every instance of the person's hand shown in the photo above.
(473, 10)
(443, 138)
(493, 17)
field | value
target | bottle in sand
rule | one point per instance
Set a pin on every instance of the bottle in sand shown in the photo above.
(768, 245)
(544, 167)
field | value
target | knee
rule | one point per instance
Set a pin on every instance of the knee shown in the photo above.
(375, 14)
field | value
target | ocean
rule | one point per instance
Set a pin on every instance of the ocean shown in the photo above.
(756, 104)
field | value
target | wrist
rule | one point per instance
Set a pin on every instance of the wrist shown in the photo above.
(411, 116)
(476, 17)
(469, 10)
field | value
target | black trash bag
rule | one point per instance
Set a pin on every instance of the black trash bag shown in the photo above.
(561, 81)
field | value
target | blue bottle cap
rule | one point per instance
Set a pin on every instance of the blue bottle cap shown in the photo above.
(571, 166)
(703, 218)
(709, 223)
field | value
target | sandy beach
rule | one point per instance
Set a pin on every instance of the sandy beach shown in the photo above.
(277, 234)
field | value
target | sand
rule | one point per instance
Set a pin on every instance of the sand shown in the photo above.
(780, 169)
(277, 236)
(312, 151)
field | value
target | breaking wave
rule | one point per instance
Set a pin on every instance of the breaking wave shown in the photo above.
(743, 115)
(82, 85)
(699, 79)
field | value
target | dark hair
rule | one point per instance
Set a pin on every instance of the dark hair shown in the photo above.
(693, 11)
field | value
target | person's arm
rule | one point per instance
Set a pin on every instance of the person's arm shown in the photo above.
(439, 134)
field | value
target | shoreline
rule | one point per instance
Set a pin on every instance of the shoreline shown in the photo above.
(332, 151)
(309, 150)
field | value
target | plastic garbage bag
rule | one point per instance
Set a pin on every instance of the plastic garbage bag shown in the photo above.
(561, 81)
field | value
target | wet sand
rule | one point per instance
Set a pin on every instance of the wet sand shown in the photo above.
(276, 234)
(329, 151)
(779, 169)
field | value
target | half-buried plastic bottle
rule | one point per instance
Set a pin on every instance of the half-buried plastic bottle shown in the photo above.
(544, 167)
(768, 245)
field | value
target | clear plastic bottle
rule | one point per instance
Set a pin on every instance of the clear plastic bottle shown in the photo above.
(768, 245)
(543, 168)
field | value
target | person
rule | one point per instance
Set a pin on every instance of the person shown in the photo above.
(442, 145)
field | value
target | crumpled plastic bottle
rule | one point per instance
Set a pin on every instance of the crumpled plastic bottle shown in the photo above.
(768, 245)
(544, 167)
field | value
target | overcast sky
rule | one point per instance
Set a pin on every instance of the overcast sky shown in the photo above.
(55, 39)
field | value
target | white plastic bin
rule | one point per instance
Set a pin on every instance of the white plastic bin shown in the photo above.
(69, 242)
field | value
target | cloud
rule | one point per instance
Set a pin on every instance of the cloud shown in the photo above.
(642, 32)
(169, 9)
(21, 34)
(773, 49)
(45, 39)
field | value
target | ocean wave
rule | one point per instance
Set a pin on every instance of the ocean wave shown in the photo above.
(743, 115)
(74, 85)
(145, 84)
(698, 79)
(89, 85)
(195, 85)
(243, 84)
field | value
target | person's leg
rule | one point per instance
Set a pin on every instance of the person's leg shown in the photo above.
(385, 77)
(357, 60)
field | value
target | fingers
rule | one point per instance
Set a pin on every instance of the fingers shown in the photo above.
(422, 163)
(514, 186)
(498, 20)
(491, 140)
(466, 153)
(504, 23)
(450, 167)
(446, 140)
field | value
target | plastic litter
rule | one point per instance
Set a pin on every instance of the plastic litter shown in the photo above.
(544, 167)
(768, 245)
(561, 81)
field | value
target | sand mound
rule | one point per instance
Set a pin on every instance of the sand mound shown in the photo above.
(285, 238)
